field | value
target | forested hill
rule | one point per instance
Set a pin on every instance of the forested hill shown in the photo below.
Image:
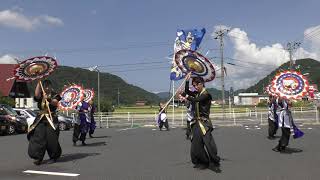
(109, 86)
(310, 67)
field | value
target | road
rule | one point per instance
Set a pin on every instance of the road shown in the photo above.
(146, 153)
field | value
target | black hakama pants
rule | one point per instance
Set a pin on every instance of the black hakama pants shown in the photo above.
(188, 130)
(285, 137)
(272, 130)
(44, 138)
(165, 124)
(203, 147)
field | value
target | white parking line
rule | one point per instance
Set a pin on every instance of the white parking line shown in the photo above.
(51, 173)
(126, 129)
(247, 128)
(149, 125)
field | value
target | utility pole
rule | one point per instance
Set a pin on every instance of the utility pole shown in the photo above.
(291, 46)
(99, 110)
(118, 97)
(96, 68)
(219, 35)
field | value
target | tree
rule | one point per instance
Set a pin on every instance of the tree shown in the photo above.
(7, 100)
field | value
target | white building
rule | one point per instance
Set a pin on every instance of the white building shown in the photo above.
(249, 99)
(26, 103)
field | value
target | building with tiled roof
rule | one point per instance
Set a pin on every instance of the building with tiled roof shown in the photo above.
(9, 86)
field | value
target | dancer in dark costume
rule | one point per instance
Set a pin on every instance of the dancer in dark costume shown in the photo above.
(82, 126)
(285, 123)
(41, 135)
(189, 114)
(92, 125)
(162, 119)
(203, 147)
(272, 117)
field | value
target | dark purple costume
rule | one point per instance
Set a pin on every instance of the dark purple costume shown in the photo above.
(82, 127)
(92, 124)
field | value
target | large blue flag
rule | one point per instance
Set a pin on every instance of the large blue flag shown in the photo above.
(186, 39)
(189, 39)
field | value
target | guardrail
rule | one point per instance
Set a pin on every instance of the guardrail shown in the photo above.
(130, 120)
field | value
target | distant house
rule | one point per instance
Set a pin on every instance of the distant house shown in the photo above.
(249, 99)
(141, 103)
(9, 86)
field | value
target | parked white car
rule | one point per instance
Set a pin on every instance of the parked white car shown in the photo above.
(26, 113)
(65, 123)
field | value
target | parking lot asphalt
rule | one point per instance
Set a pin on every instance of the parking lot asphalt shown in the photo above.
(147, 153)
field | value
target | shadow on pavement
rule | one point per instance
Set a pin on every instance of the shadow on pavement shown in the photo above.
(74, 156)
(291, 150)
(100, 137)
(95, 144)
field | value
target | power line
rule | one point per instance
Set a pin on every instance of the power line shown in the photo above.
(248, 67)
(90, 49)
(310, 33)
(140, 69)
(251, 62)
(130, 64)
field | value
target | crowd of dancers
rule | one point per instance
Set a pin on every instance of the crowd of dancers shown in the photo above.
(43, 134)
(279, 116)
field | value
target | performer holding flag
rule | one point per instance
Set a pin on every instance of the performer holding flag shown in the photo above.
(203, 147)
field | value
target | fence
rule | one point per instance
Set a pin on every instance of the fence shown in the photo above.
(250, 116)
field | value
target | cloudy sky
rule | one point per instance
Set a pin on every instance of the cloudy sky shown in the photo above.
(132, 39)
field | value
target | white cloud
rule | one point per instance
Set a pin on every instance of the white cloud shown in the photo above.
(52, 20)
(260, 61)
(245, 50)
(252, 62)
(15, 19)
(220, 27)
(7, 59)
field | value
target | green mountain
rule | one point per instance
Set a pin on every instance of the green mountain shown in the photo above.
(310, 66)
(110, 85)
(217, 94)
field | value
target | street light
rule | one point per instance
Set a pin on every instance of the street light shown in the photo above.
(95, 68)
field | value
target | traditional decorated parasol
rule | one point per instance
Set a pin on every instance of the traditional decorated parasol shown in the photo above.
(290, 85)
(36, 68)
(71, 97)
(190, 61)
(270, 90)
(88, 94)
(194, 62)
